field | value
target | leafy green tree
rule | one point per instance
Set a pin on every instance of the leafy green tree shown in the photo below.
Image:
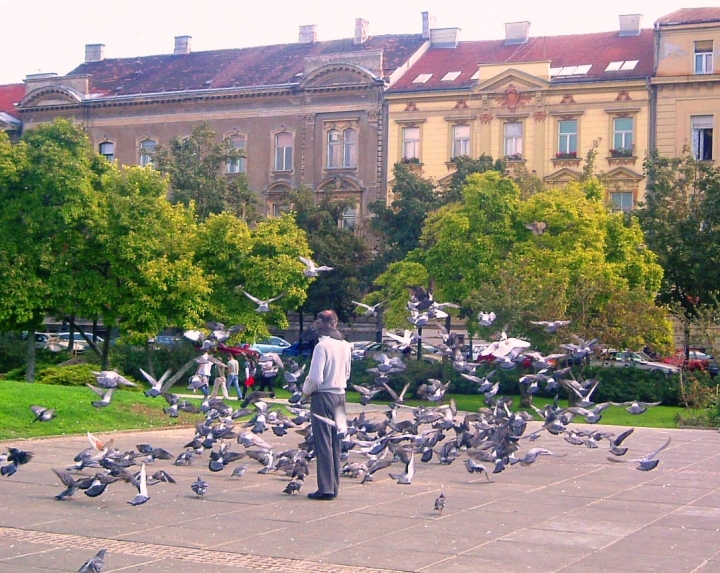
(399, 226)
(466, 166)
(681, 221)
(263, 261)
(334, 246)
(195, 166)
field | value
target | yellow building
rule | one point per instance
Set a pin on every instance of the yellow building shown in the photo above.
(687, 83)
(540, 103)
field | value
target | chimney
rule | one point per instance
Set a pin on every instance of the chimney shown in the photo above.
(517, 32)
(308, 34)
(182, 44)
(94, 52)
(428, 23)
(630, 24)
(444, 37)
(361, 30)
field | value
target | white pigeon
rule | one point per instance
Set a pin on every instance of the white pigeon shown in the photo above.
(311, 269)
(369, 310)
(407, 339)
(263, 305)
(486, 318)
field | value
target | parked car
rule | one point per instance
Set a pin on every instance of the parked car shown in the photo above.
(429, 352)
(78, 341)
(270, 344)
(166, 340)
(637, 359)
(697, 359)
(302, 348)
(358, 348)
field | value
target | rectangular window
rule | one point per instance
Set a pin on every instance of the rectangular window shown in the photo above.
(460, 140)
(279, 208)
(349, 218)
(513, 136)
(567, 137)
(702, 137)
(350, 148)
(147, 149)
(283, 151)
(623, 135)
(334, 149)
(411, 143)
(238, 165)
(704, 57)
(621, 201)
(107, 150)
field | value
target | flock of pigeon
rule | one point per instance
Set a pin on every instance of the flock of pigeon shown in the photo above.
(488, 441)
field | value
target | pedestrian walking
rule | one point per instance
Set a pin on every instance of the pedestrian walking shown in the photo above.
(233, 375)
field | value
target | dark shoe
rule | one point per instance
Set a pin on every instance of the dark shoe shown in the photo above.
(323, 496)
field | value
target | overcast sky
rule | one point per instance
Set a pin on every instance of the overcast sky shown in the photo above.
(50, 36)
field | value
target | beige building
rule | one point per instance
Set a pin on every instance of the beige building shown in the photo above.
(538, 102)
(687, 83)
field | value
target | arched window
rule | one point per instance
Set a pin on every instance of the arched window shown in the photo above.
(147, 150)
(107, 150)
(334, 149)
(283, 151)
(238, 165)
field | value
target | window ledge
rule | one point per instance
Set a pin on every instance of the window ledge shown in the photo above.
(622, 160)
(282, 171)
(341, 169)
(566, 162)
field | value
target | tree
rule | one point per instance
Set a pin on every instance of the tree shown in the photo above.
(263, 261)
(399, 226)
(681, 221)
(48, 200)
(194, 165)
(466, 166)
(332, 245)
(584, 264)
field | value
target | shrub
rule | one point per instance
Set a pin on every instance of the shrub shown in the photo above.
(74, 375)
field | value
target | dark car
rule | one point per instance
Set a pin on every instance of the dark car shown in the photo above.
(303, 348)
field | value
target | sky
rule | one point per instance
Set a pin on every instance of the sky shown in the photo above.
(50, 36)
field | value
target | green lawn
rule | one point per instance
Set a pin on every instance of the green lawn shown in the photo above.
(131, 410)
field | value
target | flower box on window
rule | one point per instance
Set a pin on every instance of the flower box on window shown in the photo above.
(410, 161)
(514, 157)
(566, 155)
(622, 152)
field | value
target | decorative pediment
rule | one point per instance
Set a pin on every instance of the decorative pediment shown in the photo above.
(621, 179)
(562, 177)
(51, 95)
(521, 81)
(334, 75)
(340, 184)
(281, 187)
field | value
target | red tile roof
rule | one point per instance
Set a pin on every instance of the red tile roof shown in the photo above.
(690, 16)
(10, 94)
(598, 49)
(246, 67)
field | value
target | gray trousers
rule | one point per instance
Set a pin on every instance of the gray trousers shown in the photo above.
(326, 440)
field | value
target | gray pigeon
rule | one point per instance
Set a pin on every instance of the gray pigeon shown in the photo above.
(94, 564)
(199, 486)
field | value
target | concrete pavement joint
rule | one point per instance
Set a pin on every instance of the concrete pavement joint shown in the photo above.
(201, 556)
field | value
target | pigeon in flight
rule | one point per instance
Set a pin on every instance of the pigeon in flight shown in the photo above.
(486, 318)
(537, 227)
(645, 463)
(111, 379)
(94, 564)
(42, 414)
(155, 385)
(104, 393)
(311, 269)
(142, 495)
(636, 407)
(551, 326)
(407, 456)
(615, 448)
(369, 310)
(263, 305)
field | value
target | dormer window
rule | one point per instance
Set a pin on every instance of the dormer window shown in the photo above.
(704, 57)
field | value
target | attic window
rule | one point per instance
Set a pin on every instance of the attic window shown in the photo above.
(621, 66)
(475, 76)
(570, 71)
(422, 78)
(450, 76)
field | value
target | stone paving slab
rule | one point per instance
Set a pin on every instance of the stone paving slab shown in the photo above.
(573, 512)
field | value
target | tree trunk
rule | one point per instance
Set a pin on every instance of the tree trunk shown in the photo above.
(30, 371)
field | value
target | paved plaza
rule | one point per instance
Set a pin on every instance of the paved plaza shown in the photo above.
(572, 513)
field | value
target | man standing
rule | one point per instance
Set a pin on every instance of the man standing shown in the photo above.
(325, 385)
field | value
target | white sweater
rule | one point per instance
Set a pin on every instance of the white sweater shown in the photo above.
(329, 367)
